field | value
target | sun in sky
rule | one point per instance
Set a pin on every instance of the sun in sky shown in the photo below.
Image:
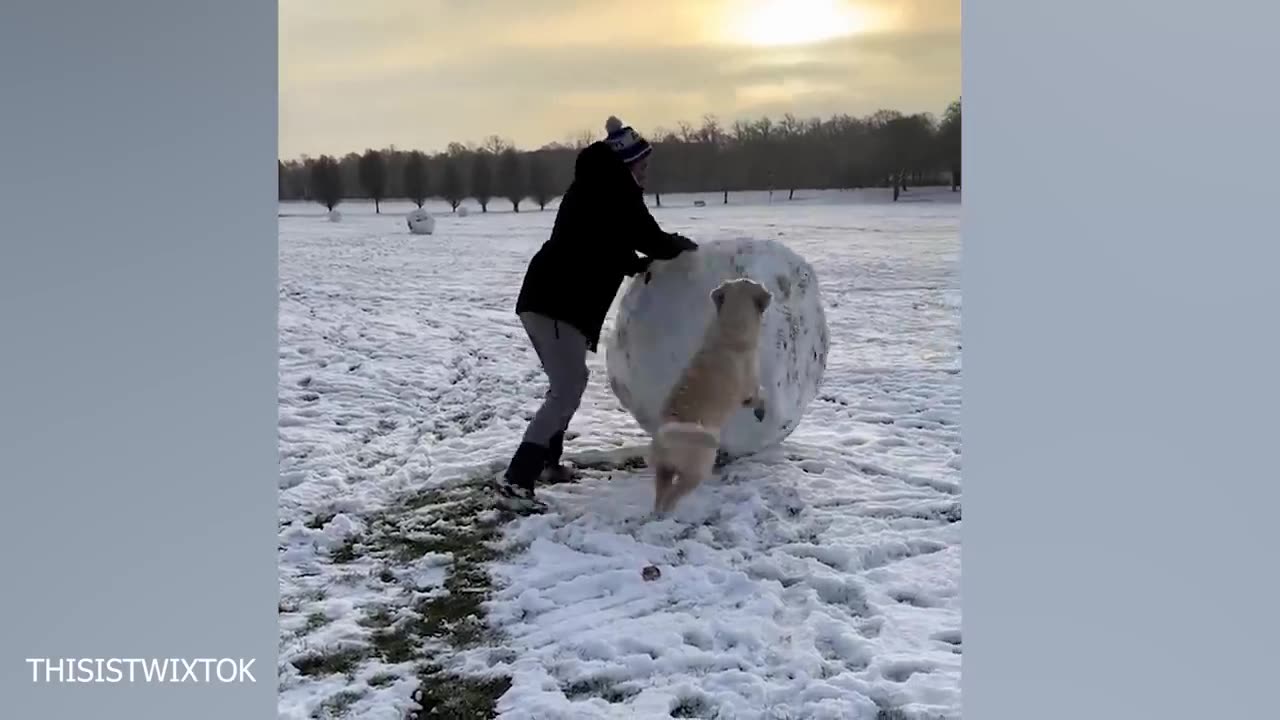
(772, 23)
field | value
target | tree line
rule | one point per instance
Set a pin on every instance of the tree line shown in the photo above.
(886, 149)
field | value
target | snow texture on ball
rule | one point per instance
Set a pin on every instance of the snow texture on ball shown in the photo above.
(420, 222)
(335, 216)
(661, 323)
(462, 211)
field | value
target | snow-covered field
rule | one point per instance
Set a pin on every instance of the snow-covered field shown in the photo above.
(819, 579)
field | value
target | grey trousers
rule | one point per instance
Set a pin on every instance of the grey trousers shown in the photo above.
(562, 350)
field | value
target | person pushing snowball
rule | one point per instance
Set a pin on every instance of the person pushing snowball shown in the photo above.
(569, 286)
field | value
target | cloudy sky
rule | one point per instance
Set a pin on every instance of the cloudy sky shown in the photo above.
(421, 73)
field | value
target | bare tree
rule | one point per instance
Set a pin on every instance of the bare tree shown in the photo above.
(580, 139)
(541, 187)
(908, 143)
(396, 160)
(496, 145)
(714, 158)
(415, 178)
(513, 178)
(949, 142)
(295, 179)
(788, 160)
(373, 177)
(662, 168)
(326, 182)
(482, 179)
(885, 149)
(451, 185)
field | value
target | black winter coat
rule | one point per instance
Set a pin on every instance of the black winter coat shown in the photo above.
(601, 224)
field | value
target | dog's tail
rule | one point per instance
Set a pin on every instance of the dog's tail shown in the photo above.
(684, 433)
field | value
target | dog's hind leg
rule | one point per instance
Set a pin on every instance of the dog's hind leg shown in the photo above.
(757, 403)
(684, 484)
(663, 480)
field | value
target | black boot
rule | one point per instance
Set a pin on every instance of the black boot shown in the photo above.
(552, 471)
(515, 488)
(555, 448)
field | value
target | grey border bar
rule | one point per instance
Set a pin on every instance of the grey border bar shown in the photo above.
(137, 351)
(1120, 359)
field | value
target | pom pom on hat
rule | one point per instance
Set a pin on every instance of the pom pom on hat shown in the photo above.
(625, 141)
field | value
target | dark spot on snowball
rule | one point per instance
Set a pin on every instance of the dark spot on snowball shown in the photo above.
(784, 285)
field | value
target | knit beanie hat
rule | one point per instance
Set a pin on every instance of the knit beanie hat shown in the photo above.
(625, 141)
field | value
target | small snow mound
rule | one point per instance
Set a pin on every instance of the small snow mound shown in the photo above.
(335, 216)
(339, 529)
(420, 222)
(462, 211)
(661, 323)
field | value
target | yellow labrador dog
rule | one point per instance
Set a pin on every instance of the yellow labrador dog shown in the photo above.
(723, 376)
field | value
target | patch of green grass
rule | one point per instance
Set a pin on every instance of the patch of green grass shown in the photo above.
(457, 616)
(445, 695)
(617, 695)
(318, 521)
(436, 520)
(376, 617)
(294, 603)
(469, 493)
(692, 708)
(405, 550)
(315, 621)
(602, 688)
(383, 679)
(350, 579)
(346, 552)
(394, 644)
(338, 705)
(337, 662)
(608, 465)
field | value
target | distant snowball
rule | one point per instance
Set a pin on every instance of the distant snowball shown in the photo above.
(661, 323)
(462, 211)
(335, 216)
(420, 222)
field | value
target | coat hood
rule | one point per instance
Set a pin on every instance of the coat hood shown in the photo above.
(599, 167)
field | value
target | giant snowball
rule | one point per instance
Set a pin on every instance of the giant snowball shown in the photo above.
(463, 211)
(661, 323)
(420, 222)
(335, 216)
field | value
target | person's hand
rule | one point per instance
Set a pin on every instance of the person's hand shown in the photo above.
(684, 243)
(641, 267)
